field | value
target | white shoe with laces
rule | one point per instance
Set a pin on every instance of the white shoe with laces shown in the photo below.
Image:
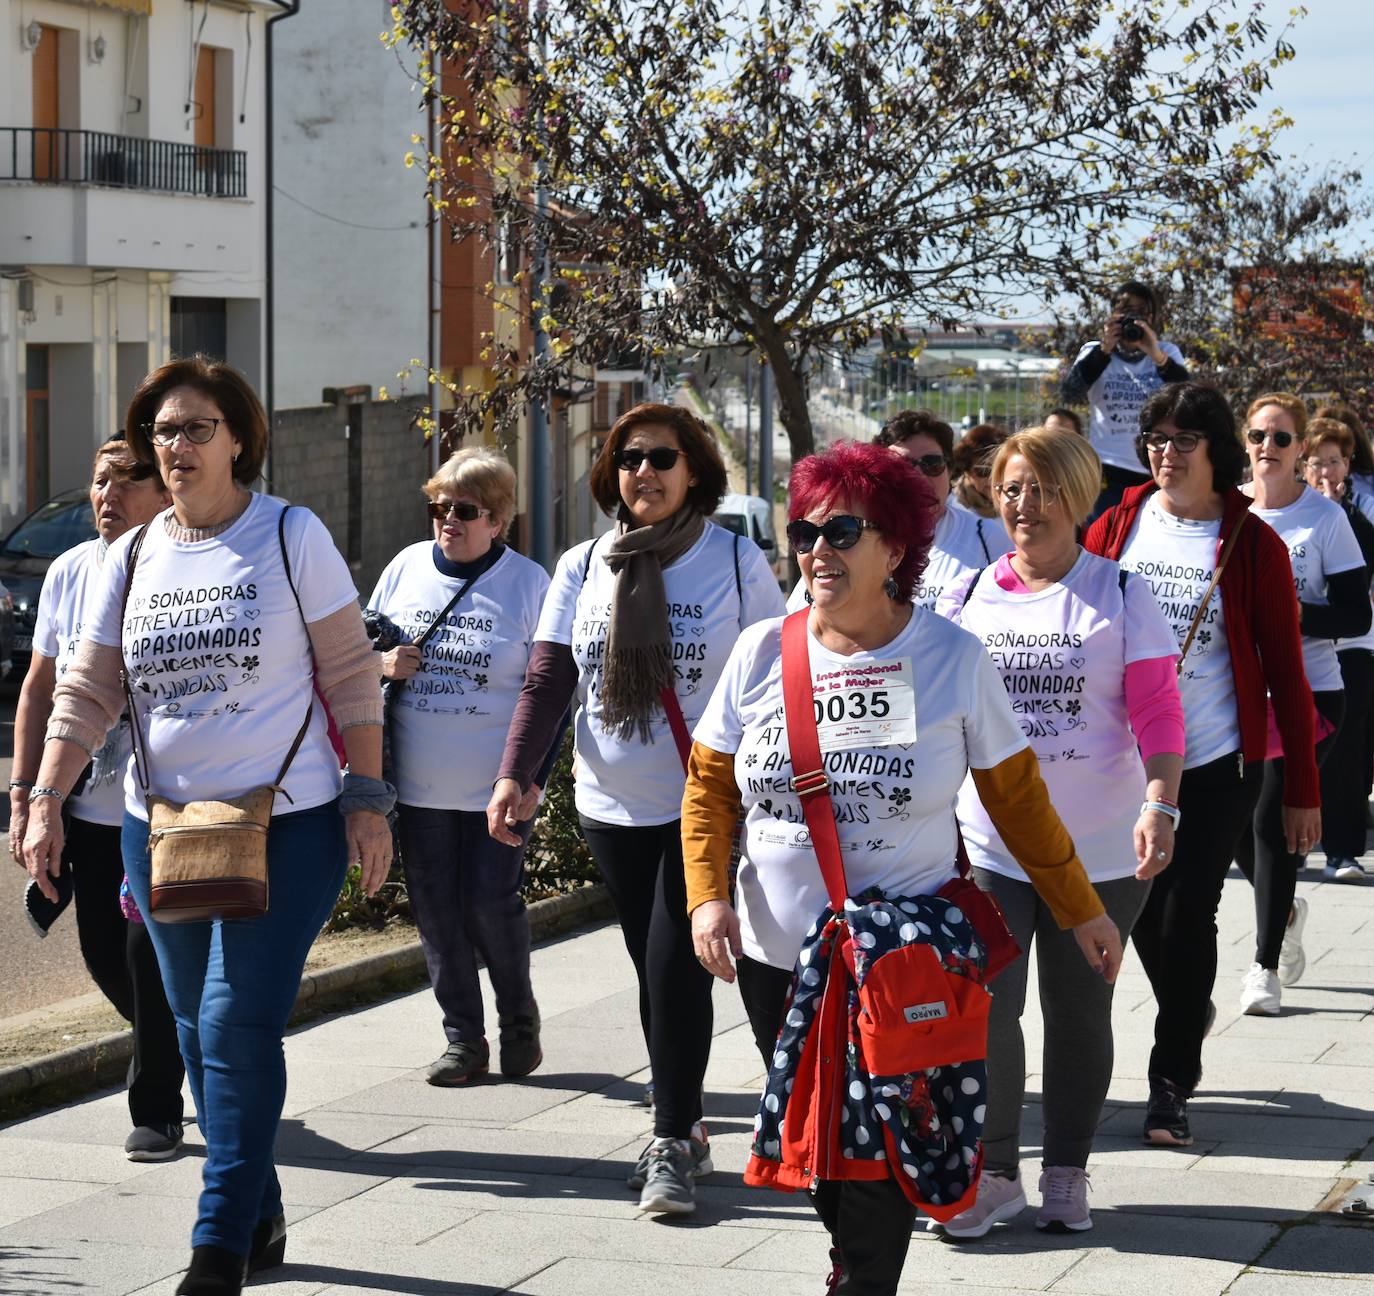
(1259, 992)
(1292, 958)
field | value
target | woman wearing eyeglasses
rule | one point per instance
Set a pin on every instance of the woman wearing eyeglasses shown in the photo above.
(1348, 771)
(456, 694)
(635, 631)
(1332, 585)
(860, 523)
(1088, 662)
(233, 608)
(972, 469)
(964, 542)
(1237, 630)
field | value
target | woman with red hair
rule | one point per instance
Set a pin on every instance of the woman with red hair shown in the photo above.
(861, 524)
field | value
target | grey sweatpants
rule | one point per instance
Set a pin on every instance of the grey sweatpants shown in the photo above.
(1077, 1007)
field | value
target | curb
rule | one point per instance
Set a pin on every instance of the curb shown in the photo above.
(98, 1062)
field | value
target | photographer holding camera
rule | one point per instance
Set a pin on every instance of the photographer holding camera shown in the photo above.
(1116, 376)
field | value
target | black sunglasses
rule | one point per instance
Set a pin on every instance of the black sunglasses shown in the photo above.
(463, 510)
(660, 458)
(932, 464)
(840, 532)
(1255, 436)
(1183, 442)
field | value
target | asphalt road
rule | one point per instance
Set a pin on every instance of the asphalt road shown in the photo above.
(33, 972)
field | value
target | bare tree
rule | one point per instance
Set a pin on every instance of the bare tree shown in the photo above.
(798, 174)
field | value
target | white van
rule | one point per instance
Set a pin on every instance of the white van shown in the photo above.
(749, 516)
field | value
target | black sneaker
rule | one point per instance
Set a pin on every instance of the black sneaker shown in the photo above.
(153, 1142)
(520, 1051)
(1166, 1118)
(460, 1063)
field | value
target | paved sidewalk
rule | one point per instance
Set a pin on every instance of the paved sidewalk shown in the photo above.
(394, 1186)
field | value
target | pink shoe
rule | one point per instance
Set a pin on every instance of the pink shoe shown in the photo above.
(999, 1199)
(1064, 1200)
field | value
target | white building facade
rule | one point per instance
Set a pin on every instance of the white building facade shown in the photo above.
(132, 215)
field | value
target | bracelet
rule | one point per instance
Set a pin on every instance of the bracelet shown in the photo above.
(35, 793)
(1164, 808)
(21, 785)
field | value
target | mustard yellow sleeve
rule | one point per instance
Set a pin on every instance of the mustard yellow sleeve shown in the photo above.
(710, 811)
(1017, 801)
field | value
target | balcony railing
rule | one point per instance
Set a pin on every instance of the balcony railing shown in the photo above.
(40, 155)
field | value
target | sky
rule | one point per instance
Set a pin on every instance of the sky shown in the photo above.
(1328, 89)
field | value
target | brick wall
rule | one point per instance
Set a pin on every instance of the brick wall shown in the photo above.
(310, 466)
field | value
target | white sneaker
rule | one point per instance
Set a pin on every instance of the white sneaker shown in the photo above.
(1259, 992)
(1349, 870)
(1292, 959)
(998, 1199)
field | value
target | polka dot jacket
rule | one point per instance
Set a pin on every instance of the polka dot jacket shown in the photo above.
(828, 1112)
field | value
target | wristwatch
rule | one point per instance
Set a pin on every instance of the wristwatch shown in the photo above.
(1173, 812)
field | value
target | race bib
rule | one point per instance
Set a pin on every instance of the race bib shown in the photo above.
(869, 704)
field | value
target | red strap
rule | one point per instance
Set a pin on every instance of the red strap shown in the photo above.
(809, 780)
(677, 724)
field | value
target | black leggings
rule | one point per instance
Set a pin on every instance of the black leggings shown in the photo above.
(1350, 762)
(120, 957)
(869, 1221)
(1262, 852)
(1176, 933)
(642, 869)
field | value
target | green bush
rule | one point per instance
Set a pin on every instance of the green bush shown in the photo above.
(556, 862)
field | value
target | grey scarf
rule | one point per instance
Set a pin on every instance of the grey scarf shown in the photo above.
(639, 653)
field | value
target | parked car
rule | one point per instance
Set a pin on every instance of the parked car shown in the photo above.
(751, 517)
(25, 556)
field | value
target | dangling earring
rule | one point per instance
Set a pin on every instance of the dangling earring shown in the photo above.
(807, 597)
(890, 588)
(236, 455)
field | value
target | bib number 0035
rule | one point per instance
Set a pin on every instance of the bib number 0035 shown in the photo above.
(869, 704)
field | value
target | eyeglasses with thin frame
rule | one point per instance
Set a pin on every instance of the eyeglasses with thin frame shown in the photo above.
(1282, 439)
(842, 531)
(661, 458)
(197, 431)
(463, 510)
(1044, 496)
(1183, 442)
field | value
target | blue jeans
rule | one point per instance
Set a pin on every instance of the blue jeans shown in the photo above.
(464, 890)
(231, 986)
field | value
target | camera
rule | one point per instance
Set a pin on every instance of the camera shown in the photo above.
(1129, 326)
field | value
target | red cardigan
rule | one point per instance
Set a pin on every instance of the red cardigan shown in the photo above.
(1261, 612)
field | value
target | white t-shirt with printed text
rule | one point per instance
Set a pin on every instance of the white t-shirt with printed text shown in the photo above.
(894, 803)
(1320, 543)
(1177, 556)
(964, 543)
(1062, 653)
(72, 582)
(219, 659)
(1114, 402)
(449, 720)
(630, 782)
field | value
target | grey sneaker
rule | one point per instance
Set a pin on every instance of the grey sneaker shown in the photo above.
(153, 1142)
(1000, 1198)
(702, 1165)
(668, 1185)
(460, 1063)
(1064, 1200)
(520, 1051)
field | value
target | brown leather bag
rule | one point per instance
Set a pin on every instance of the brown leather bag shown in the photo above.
(209, 858)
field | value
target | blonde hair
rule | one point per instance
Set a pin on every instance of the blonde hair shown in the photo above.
(482, 474)
(1322, 431)
(1062, 459)
(1291, 405)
